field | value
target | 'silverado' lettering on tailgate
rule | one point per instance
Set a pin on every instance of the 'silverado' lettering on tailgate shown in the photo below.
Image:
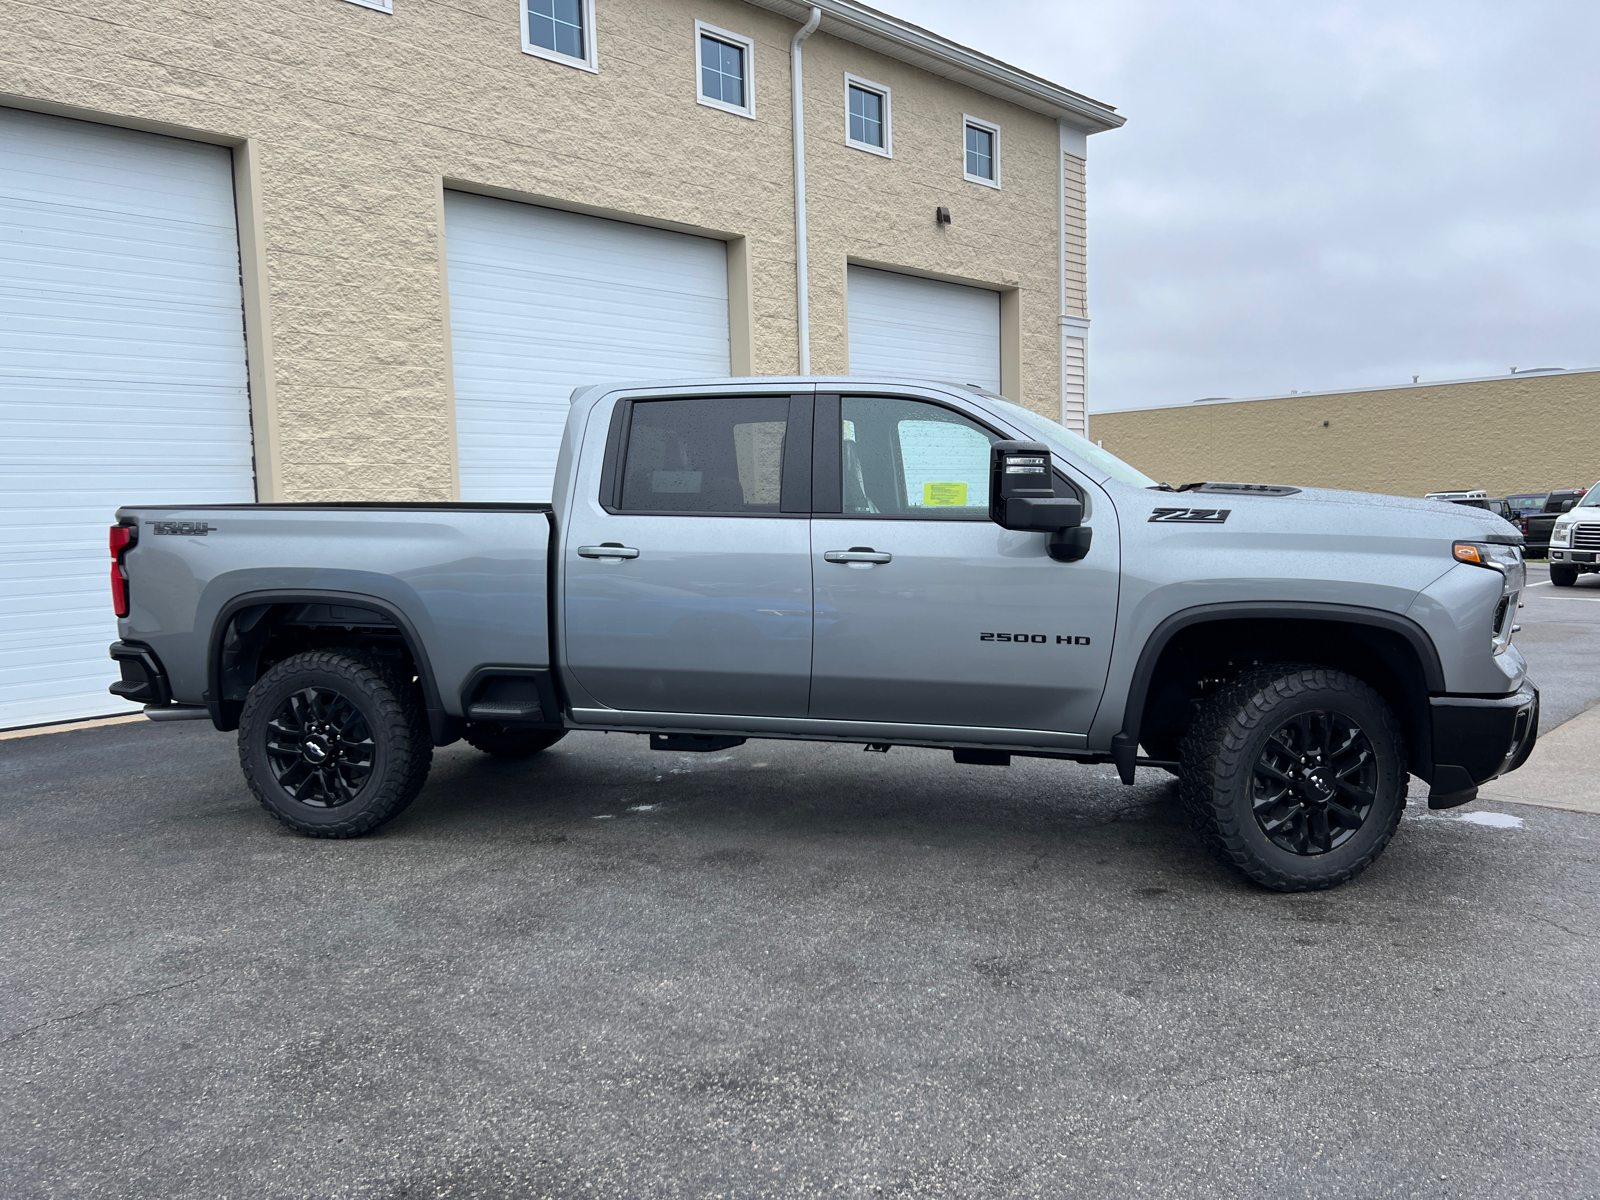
(181, 528)
(1198, 516)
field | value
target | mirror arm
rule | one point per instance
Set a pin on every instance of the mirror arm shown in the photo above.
(1070, 545)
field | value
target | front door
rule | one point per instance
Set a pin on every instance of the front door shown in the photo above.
(688, 585)
(927, 612)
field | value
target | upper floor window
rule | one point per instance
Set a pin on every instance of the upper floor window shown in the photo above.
(724, 66)
(867, 115)
(982, 152)
(560, 30)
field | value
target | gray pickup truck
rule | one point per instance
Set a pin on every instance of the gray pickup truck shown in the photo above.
(852, 560)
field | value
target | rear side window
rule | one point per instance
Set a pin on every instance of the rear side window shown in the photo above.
(903, 458)
(705, 456)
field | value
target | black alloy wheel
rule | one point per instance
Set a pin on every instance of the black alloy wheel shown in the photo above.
(335, 742)
(1295, 775)
(320, 748)
(1314, 782)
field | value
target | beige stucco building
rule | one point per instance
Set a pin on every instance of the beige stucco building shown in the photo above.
(1509, 434)
(354, 129)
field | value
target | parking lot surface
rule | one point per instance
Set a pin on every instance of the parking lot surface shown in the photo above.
(781, 970)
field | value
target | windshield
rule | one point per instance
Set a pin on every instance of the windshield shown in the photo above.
(1102, 460)
(1591, 498)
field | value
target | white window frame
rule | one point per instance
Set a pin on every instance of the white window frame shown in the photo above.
(701, 29)
(991, 127)
(589, 62)
(866, 85)
(383, 6)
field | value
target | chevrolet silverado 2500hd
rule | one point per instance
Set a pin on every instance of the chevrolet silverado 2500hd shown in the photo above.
(852, 560)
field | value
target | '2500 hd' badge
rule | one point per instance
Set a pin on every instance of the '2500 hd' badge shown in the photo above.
(1198, 516)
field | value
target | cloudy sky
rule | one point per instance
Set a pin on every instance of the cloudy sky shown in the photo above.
(1321, 195)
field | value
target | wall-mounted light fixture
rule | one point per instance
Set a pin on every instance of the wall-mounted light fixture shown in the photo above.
(941, 215)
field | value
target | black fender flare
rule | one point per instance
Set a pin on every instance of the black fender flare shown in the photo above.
(1124, 746)
(441, 725)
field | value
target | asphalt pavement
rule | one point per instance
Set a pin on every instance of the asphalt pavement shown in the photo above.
(781, 970)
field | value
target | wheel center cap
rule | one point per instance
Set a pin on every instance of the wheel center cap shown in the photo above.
(1317, 786)
(316, 750)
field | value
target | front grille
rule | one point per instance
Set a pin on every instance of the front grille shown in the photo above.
(1586, 537)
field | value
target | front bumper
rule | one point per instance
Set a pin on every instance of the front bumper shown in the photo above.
(1476, 739)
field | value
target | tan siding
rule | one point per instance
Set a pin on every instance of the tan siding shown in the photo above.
(1077, 235)
(1505, 435)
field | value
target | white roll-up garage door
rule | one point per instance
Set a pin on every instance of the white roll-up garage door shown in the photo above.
(903, 325)
(543, 301)
(122, 381)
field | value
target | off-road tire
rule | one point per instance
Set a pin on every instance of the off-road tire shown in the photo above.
(1219, 757)
(1563, 576)
(510, 741)
(392, 707)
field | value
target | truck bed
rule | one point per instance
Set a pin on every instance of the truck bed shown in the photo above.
(467, 583)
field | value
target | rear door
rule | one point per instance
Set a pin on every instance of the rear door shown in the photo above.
(927, 612)
(688, 569)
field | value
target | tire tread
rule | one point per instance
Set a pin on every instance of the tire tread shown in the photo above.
(1214, 756)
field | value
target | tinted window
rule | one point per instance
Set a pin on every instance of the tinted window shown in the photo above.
(903, 458)
(705, 456)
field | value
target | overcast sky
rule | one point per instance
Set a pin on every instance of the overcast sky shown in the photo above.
(1321, 195)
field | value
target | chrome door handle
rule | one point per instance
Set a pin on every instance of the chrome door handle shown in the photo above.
(858, 554)
(612, 551)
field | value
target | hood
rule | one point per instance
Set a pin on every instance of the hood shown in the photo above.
(1469, 521)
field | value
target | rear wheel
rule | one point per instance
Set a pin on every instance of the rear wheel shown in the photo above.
(510, 741)
(1295, 776)
(1563, 576)
(334, 743)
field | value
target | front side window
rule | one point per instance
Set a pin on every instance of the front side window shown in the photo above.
(867, 115)
(982, 152)
(560, 29)
(724, 65)
(705, 456)
(905, 458)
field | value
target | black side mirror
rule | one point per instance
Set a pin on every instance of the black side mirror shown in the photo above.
(1022, 497)
(1568, 505)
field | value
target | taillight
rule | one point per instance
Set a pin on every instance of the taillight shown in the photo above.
(122, 536)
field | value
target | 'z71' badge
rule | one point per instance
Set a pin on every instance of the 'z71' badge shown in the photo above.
(1204, 516)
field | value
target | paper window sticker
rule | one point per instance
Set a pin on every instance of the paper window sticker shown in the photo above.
(944, 494)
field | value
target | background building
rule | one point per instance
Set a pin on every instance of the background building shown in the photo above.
(365, 249)
(1508, 434)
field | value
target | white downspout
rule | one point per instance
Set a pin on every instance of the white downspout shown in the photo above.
(802, 283)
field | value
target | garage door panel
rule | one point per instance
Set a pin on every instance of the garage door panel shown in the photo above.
(542, 302)
(122, 380)
(907, 326)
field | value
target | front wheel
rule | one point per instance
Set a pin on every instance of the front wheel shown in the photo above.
(1295, 776)
(333, 743)
(1563, 576)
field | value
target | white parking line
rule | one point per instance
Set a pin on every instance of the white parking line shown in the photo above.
(1595, 599)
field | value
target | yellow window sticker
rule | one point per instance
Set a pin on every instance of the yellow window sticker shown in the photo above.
(944, 493)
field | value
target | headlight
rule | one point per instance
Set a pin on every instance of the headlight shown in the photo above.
(1561, 535)
(1497, 556)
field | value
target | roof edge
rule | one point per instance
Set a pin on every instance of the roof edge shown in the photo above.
(921, 48)
(1187, 405)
